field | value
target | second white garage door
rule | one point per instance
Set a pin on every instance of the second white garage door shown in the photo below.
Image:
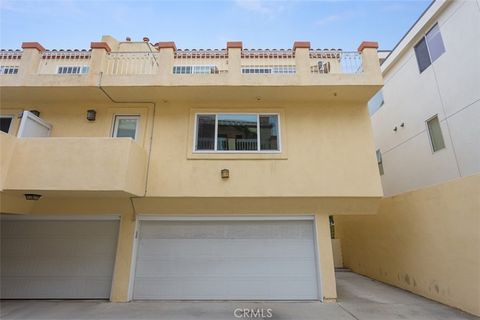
(226, 260)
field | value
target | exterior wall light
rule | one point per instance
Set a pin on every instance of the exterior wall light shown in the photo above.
(32, 196)
(91, 115)
(225, 173)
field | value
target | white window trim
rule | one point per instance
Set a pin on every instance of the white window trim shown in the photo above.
(11, 122)
(116, 118)
(424, 37)
(430, 137)
(258, 114)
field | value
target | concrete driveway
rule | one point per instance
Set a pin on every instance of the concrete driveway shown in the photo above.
(360, 299)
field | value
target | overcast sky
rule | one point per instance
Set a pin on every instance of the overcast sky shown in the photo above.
(70, 24)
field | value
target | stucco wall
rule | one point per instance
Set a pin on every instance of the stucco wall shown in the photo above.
(425, 241)
(449, 88)
(327, 151)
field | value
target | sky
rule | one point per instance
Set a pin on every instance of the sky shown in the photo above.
(73, 24)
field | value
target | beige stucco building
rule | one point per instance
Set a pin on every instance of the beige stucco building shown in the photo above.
(181, 174)
(426, 235)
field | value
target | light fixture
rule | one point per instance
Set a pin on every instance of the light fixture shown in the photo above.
(32, 196)
(91, 115)
(402, 125)
(225, 173)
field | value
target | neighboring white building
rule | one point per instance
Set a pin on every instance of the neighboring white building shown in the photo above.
(426, 119)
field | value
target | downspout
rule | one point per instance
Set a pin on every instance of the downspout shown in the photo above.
(150, 143)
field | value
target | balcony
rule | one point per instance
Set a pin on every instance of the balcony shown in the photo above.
(142, 71)
(68, 166)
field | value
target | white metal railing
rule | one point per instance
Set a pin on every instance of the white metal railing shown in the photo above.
(205, 144)
(201, 62)
(132, 63)
(61, 61)
(270, 61)
(240, 144)
(335, 61)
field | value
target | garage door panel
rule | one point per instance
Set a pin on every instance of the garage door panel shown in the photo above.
(226, 230)
(229, 288)
(58, 229)
(42, 260)
(56, 288)
(224, 266)
(250, 260)
(55, 266)
(213, 247)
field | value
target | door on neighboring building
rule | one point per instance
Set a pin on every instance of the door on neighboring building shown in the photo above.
(226, 260)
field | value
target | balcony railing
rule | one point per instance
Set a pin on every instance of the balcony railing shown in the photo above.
(10, 61)
(200, 62)
(268, 62)
(64, 62)
(132, 63)
(335, 61)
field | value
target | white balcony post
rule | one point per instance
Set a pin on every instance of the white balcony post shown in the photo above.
(31, 57)
(302, 58)
(234, 60)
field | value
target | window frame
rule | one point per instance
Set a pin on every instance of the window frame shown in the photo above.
(258, 151)
(117, 117)
(424, 38)
(12, 117)
(432, 148)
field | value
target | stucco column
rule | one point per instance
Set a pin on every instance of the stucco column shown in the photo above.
(31, 57)
(234, 60)
(302, 58)
(325, 256)
(123, 261)
(99, 57)
(166, 60)
(370, 61)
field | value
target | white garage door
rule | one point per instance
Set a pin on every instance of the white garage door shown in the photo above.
(232, 260)
(57, 259)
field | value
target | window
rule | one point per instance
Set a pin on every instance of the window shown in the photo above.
(195, 70)
(376, 102)
(72, 70)
(380, 162)
(126, 126)
(269, 70)
(5, 123)
(237, 132)
(435, 133)
(8, 69)
(430, 48)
